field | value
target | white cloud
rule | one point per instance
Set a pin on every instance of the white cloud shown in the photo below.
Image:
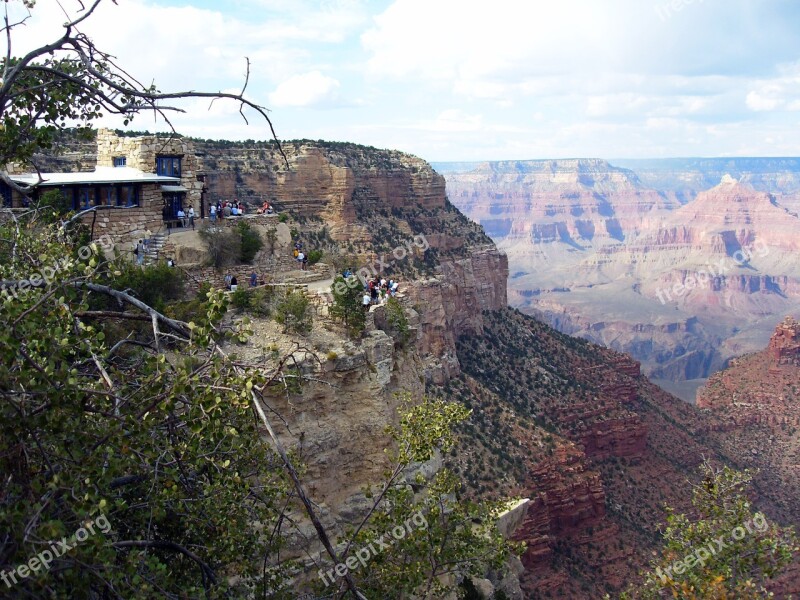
(308, 89)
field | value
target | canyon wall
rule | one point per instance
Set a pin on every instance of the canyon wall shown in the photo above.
(597, 253)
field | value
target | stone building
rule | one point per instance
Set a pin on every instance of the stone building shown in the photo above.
(138, 185)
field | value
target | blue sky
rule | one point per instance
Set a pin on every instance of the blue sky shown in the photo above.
(473, 80)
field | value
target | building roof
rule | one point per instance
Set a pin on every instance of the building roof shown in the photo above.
(100, 175)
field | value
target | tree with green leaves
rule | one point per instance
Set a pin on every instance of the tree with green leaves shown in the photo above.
(726, 550)
(347, 306)
(70, 82)
(113, 411)
(431, 538)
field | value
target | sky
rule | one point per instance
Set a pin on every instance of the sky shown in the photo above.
(468, 80)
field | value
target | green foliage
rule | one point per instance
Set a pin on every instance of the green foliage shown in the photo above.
(250, 242)
(53, 205)
(314, 256)
(725, 551)
(155, 285)
(229, 246)
(398, 323)
(283, 217)
(163, 445)
(224, 245)
(294, 313)
(347, 306)
(241, 299)
(441, 533)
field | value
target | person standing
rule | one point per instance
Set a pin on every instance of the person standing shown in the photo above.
(139, 252)
(182, 217)
(191, 216)
(213, 213)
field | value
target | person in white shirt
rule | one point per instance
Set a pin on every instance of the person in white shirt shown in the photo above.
(182, 216)
(213, 213)
(191, 216)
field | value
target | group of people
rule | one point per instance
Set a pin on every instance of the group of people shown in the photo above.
(186, 218)
(300, 256)
(226, 209)
(232, 284)
(377, 290)
(266, 209)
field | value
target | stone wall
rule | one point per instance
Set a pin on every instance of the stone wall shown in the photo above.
(126, 225)
(141, 152)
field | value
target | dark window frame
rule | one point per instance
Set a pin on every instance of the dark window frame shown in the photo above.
(169, 165)
(120, 161)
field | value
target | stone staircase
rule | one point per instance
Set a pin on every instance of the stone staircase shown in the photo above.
(153, 250)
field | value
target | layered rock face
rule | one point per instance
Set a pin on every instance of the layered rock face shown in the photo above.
(598, 254)
(392, 208)
(597, 448)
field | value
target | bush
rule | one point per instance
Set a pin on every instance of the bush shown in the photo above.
(314, 257)
(347, 306)
(283, 217)
(261, 300)
(155, 285)
(224, 246)
(293, 312)
(250, 242)
(241, 299)
(398, 323)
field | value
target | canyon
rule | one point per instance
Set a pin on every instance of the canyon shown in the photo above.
(576, 428)
(682, 263)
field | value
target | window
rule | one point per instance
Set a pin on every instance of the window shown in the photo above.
(85, 197)
(128, 195)
(105, 195)
(120, 161)
(169, 166)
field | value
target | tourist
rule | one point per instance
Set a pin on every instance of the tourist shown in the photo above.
(304, 262)
(213, 213)
(233, 283)
(300, 258)
(234, 211)
(166, 215)
(366, 300)
(139, 252)
(182, 217)
(253, 279)
(191, 216)
(228, 279)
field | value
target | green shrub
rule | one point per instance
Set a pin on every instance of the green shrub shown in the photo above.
(283, 217)
(398, 322)
(224, 246)
(241, 299)
(347, 306)
(261, 300)
(314, 257)
(155, 285)
(202, 291)
(294, 313)
(250, 242)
